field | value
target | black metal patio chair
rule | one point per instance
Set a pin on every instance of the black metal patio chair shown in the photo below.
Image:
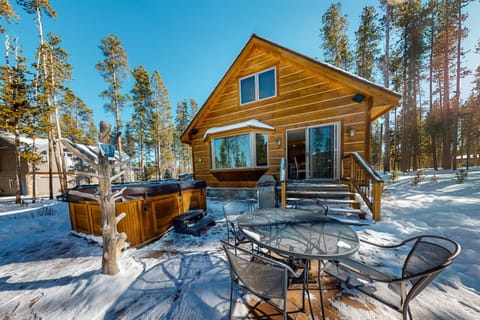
(314, 205)
(427, 256)
(232, 210)
(265, 277)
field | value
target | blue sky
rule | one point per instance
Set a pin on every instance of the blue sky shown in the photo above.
(191, 43)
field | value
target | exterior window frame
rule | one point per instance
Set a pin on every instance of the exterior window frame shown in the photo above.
(257, 85)
(252, 148)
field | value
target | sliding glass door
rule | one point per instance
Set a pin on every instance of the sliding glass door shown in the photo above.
(323, 150)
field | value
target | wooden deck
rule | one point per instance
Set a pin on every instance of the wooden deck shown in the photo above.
(330, 292)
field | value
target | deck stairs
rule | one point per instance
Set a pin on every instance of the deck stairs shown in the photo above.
(336, 195)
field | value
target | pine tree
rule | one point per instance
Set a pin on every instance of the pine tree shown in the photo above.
(40, 9)
(461, 33)
(130, 140)
(336, 49)
(367, 37)
(7, 13)
(471, 120)
(141, 99)
(183, 155)
(386, 83)
(15, 109)
(114, 69)
(76, 119)
(161, 125)
(411, 19)
(59, 72)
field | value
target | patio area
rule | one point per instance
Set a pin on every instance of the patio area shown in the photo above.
(50, 272)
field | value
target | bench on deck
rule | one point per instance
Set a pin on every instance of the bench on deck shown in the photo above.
(427, 257)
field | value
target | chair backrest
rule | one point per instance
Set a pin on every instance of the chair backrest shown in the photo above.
(429, 256)
(266, 278)
(236, 207)
(314, 205)
(296, 163)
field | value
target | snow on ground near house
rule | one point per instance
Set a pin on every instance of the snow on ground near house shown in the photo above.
(48, 272)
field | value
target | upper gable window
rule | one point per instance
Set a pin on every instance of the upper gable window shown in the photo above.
(261, 85)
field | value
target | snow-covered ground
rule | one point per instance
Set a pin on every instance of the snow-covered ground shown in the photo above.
(48, 272)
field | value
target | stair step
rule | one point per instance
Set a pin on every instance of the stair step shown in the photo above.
(323, 186)
(327, 201)
(344, 210)
(320, 193)
(341, 201)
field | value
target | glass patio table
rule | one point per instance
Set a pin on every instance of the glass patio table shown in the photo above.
(300, 234)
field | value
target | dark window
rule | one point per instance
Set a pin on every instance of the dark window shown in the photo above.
(247, 86)
(259, 86)
(266, 84)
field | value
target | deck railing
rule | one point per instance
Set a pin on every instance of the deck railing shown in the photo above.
(363, 180)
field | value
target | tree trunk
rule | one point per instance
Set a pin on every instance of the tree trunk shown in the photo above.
(18, 166)
(112, 240)
(50, 164)
(34, 174)
(62, 170)
(159, 159)
(457, 94)
(386, 159)
(446, 155)
(433, 136)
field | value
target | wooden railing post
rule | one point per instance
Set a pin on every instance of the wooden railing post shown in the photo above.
(377, 195)
(283, 183)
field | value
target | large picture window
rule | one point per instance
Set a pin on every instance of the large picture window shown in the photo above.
(258, 86)
(240, 151)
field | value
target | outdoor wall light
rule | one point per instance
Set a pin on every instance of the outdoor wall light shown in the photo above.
(358, 98)
(200, 160)
(279, 141)
(351, 131)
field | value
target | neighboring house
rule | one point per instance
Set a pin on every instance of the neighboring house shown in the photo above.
(274, 104)
(7, 167)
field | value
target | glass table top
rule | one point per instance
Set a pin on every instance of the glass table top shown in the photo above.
(299, 233)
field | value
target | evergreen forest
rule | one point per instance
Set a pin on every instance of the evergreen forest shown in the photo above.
(414, 47)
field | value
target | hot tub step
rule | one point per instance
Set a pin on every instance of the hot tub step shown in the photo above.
(193, 222)
(201, 226)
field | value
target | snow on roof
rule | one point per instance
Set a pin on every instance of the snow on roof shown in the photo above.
(10, 137)
(245, 124)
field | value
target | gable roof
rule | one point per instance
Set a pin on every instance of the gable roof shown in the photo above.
(383, 99)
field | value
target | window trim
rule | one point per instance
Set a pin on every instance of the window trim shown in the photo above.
(253, 150)
(256, 85)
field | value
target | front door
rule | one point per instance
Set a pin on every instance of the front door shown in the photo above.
(323, 152)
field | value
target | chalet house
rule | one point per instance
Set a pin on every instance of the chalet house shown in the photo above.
(277, 112)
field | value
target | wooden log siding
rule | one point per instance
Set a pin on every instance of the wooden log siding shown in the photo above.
(304, 98)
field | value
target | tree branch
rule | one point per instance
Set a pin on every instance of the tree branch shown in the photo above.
(118, 175)
(120, 217)
(87, 174)
(119, 193)
(77, 152)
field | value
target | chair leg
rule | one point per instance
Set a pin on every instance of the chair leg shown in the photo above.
(407, 314)
(321, 297)
(305, 288)
(231, 300)
(320, 287)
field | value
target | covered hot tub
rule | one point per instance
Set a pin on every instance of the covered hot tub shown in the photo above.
(150, 208)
